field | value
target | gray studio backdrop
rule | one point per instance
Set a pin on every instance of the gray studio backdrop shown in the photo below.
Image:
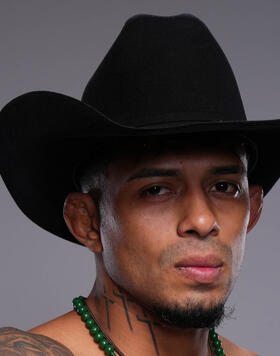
(56, 45)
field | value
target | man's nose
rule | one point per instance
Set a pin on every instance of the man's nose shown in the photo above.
(198, 216)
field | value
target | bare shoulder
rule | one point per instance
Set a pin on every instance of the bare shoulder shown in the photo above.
(235, 350)
(16, 342)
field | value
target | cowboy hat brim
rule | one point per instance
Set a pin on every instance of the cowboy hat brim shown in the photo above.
(44, 135)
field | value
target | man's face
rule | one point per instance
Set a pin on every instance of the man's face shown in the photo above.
(166, 215)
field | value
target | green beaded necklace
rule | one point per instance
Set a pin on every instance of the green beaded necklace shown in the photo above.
(107, 344)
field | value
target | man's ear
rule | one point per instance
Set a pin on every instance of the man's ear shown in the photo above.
(256, 204)
(82, 218)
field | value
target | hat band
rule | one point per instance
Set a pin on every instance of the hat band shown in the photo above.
(167, 120)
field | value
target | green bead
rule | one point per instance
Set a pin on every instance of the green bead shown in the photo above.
(79, 305)
(220, 353)
(89, 323)
(94, 329)
(85, 315)
(214, 336)
(109, 349)
(217, 343)
(81, 309)
(219, 350)
(103, 343)
(76, 301)
(98, 336)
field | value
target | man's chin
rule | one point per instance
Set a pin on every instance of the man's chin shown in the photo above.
(192, 315)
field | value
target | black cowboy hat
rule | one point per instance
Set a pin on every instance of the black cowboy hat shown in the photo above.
(162, 76)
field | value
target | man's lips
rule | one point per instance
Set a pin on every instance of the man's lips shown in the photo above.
(202, 269)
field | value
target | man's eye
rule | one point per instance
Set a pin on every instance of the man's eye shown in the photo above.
(156, 190)
(225, 187)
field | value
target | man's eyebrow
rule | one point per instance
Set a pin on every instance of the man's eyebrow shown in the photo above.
(161, 172)
(154, 172)
(231, 169)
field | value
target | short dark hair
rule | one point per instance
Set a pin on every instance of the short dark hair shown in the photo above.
(90, 177)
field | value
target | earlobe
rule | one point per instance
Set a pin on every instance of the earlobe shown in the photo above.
(82, 218)
(256, 204)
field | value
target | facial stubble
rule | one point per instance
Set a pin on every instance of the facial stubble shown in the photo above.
(193, 313)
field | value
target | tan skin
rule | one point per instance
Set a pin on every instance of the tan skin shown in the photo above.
(144, 232)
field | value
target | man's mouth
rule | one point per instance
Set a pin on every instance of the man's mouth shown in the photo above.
(201, 269)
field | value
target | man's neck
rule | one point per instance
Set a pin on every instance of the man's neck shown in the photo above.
(137, 331)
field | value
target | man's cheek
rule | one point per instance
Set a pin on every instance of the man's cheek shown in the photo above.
(238, 250)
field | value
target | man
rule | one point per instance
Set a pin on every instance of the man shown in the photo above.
(163, 177)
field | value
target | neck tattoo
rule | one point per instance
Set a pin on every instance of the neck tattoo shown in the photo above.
(109, 347)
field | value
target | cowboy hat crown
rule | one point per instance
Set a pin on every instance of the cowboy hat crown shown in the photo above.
(165, 69)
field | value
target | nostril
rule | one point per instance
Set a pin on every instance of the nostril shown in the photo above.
(191, 232)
